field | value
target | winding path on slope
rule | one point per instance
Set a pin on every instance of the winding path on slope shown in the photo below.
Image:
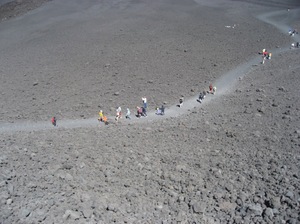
(224, 84)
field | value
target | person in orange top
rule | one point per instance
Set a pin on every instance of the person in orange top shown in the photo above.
(104, 119)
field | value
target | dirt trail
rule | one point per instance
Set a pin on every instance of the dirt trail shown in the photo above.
(224, 84)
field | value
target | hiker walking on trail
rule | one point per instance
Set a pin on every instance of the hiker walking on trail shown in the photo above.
(53, 121)
(145, 105)
(264, 56)
(210, 88)
(118, 113)
(144, 99)
(295, 45)
(100, 118)
(214, 90)
(292, 33)
(144, 111)
(201, 97)
(162, 110)
(158, 111)
(181, 101)
(139, 112)
(128, 114)
(263, 59)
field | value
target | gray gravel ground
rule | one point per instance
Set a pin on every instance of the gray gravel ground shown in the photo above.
(232, 160)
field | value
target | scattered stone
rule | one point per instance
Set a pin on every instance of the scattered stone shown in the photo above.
(291, 221)
(261, 110)
(227, 206)
(198, 207)
(282, 89)
(67, 166)
(25, 212)
(117, 93)
(71, 214)
(87, 212)
(290, 194)
(9, 201)
(35, 83)
(257, 134)
(10, 189)
(161, 130)
(275, 211)
(32, 155)
(69, 177)
(255, 209)
(112, 208)
(268, 212)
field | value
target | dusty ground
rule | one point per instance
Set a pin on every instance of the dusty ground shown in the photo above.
(11, 9)
(118, 56)
(232, 160)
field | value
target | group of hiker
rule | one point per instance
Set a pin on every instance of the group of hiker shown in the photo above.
(142, 110)
(293, 32)
(202, 95)
(296, 45)
(265, 55)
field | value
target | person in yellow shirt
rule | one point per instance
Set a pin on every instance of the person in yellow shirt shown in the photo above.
(100, 115)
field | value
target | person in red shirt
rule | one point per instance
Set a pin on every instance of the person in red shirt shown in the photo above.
(139, 112)
(53, 121)
(265, 53)
(210, 89)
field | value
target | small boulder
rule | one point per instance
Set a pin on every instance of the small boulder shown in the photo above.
(9, 201)
(71, 214)
(198, 207)
(290, 194)
(268, 212)
(256, 209)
